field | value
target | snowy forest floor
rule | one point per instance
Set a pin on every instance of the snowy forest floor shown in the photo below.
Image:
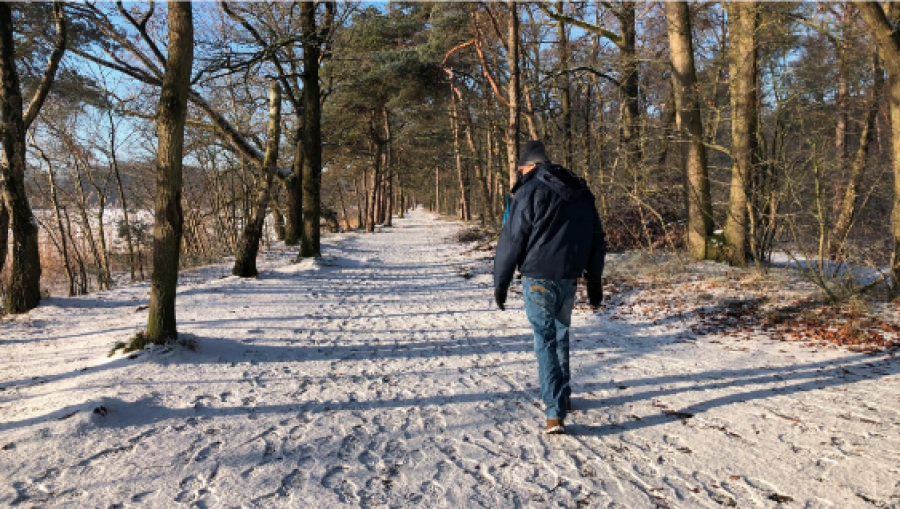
(382, 375)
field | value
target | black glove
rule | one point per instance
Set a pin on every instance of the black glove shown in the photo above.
(500, 298)
(595, 293)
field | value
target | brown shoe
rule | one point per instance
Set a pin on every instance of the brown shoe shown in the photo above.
(555, 427)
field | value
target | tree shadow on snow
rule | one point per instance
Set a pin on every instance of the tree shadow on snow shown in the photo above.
(762, 383)
(766, 383)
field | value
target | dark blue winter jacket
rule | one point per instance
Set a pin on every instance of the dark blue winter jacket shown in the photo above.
(553, 230)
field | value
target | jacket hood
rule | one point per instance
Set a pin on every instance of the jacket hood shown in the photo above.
(562, 181)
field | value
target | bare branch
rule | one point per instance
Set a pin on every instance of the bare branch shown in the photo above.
(558, 16)
(59, 47)
(142, 29)
(270, 53)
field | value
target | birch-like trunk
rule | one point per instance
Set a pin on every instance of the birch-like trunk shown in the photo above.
(248, 246)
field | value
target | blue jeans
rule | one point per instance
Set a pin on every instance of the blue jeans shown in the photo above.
(548, 305)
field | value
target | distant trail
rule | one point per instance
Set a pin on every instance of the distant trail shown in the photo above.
(380, 376)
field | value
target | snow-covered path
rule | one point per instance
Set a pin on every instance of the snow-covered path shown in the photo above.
(379, 376)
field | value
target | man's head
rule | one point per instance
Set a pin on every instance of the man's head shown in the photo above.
(533, 155)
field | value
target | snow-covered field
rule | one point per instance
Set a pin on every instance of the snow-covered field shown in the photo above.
(380, 377)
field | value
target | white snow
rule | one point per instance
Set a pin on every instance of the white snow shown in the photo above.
(378, 376)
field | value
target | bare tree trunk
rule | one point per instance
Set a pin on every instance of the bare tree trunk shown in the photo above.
(601, 152)
(4, 232)
(586, 145)
(389, 172)
(379, 194)
(170, 119)
(126, 222)
(512, 128)
(629, 133)
(437, 190)
(402, 195)
(86, 229)
(376, 176)
(669, 123)
(105, 275)
(687, 105)
(248, 247)
(489, 171)
(464, 212)
(562, 83)
(81, 279)
(847, 211)
(343, 205)
(364, 211)
(843, 93)
(293, 187)
(888, 41)
(64, 244)
(457, 102)
(63, 237)
(278, 218)
(360, 204)
(313, 39)
(529, 117)
(601, 127)
(743, 21)
(24, 291)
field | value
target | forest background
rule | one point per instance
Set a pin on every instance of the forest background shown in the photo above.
(141, 138)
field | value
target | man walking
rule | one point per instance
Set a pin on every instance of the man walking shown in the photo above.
(553, 235)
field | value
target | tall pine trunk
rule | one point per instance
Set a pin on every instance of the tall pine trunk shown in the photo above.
(168, 226)
(512, 127)
(688, 121)
(742, 21)
(480, 172)
(389, 173)
(248, 247)
(376, 177)
(462, 178)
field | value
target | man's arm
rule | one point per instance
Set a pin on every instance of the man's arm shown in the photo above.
(513, 239)
(597, 258)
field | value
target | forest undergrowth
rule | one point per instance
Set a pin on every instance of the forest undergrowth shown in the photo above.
(781, 303)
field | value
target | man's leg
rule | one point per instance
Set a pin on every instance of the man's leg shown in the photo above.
(541, 298)
(563, 319)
